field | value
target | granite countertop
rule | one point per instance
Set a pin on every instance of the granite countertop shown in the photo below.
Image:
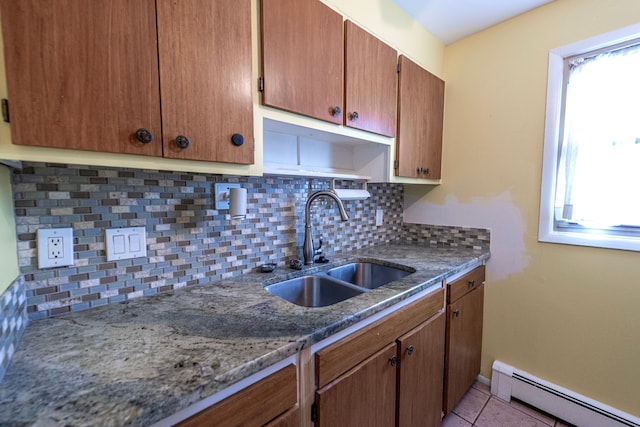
(138, 362)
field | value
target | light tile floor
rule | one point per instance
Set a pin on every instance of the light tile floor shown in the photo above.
(479, 409)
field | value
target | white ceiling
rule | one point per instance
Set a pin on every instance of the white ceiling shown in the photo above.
(452, 20)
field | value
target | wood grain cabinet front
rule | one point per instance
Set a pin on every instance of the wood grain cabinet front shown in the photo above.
(371, 80)
(388, 373)
(302, 58)
(148, 77)
(315, 65)
(271, 402)
(420, 122)
(420, 374)
(465, 298)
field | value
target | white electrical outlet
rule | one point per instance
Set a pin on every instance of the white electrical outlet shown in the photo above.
(378, 217)
(55, 247)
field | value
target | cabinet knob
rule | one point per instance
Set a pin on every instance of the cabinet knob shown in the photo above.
(456, 313)
(420, 171)
(144, 135)
(237, 139)
(472, 283)
(336, 111)
(393, 360)
(182, 142)
(426, 171)
(410, 350)
(353, 116)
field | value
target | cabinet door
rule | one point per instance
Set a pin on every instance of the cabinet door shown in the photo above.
(363, 396)
(302, 58)
(463, 346)
(205, 78)
(421, 358)
(255, 405)
(370, 82)
(82, 74)
(420, 121)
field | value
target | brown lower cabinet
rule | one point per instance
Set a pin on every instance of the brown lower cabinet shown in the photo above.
(364, 396)
(270, 402)
(389, 373)
(420, 374)
(465, 301)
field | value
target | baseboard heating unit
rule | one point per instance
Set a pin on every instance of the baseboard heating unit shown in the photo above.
(508, 382)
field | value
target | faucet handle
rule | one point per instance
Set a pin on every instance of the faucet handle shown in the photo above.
(317, 249)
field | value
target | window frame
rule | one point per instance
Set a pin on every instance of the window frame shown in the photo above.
(548, 231)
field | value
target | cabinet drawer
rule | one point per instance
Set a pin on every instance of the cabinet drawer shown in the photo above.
(465, 284)
(255, 405)
(341, 356)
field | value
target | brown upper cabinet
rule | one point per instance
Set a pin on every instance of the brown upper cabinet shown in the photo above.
(420, 122)
(311, 68)
(90, 75)
(302, 52)
(371, 78)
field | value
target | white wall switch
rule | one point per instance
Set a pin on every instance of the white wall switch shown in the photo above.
(378, 217)
(222, 190)
(125, 243)
(55, 247)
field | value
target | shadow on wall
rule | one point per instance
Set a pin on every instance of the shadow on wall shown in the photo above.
(403, 21)
(498, 214)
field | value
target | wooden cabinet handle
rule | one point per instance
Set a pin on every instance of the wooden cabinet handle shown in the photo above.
(393, 360)
(144, 135)
(237, 139)
(182, 142)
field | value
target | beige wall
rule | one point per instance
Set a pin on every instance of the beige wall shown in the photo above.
(391, 24)
(8, 251)
(567, 314)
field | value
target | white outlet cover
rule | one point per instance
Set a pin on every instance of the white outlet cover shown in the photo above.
(62, 258)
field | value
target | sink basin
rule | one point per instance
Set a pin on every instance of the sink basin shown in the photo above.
(313, 291)
(367, 274)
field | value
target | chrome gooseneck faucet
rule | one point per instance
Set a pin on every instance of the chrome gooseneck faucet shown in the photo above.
(307, 248)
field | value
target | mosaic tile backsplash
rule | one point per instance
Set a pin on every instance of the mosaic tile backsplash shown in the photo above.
(13, 321)
(445, 236)
(188, 241)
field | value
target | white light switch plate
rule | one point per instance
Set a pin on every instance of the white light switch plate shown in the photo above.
(55, 247)
(125, 243)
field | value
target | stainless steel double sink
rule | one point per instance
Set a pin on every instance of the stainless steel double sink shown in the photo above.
(336, 284)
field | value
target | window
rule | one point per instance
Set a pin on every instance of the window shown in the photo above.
(591, 167)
